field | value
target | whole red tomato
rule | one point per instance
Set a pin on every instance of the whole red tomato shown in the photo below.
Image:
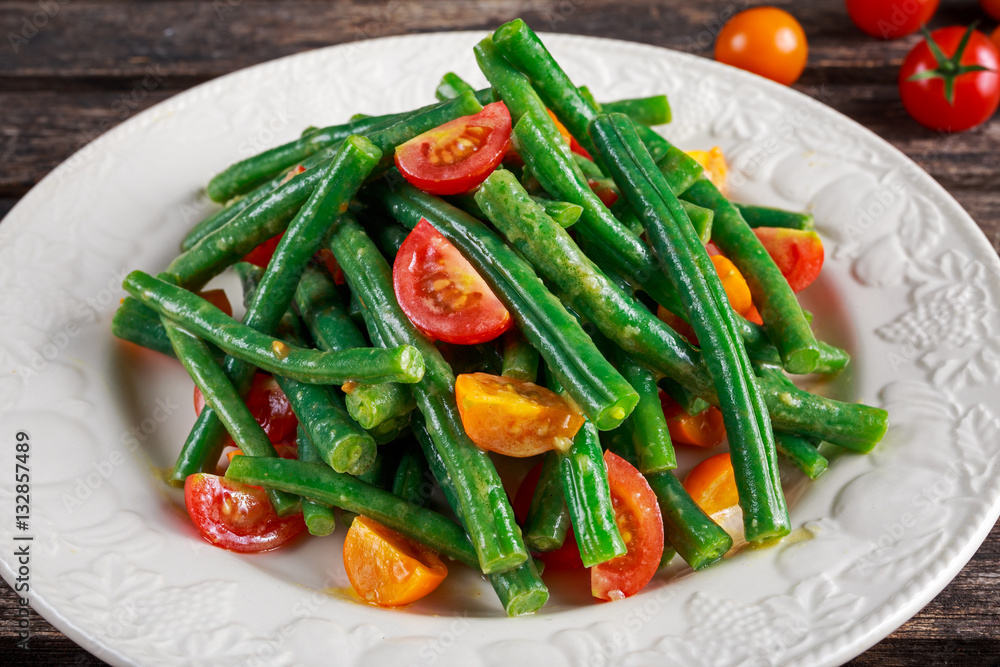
(949, 81)
(991, 7)
(891, 19)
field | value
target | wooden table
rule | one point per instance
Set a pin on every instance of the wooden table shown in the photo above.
(95, 63)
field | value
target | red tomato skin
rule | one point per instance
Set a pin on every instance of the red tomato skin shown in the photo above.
(991, 7)
(977, 94)
(237, 517)
(412, 159)
(566, 557)
(628, 574)
(262, 254)
(269, 406)
(891, 19)
(799, 254)
(426, 246)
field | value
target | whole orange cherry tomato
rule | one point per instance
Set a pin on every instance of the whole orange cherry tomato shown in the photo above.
(764, 40)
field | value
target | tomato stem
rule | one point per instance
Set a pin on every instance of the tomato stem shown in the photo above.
(948, 69)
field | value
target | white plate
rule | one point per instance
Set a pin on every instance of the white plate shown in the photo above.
(909, 287)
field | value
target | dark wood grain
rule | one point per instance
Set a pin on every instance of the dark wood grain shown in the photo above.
(89, 67)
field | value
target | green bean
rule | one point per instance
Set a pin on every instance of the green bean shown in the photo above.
(515, 89)
(222, 397)
(548, 517)
(520, 360)
(691, 271)
(320, 518)
(632, 257)
(481, 498)
(412, 479)
(600, 391)
(647, 423)
(521, 590)
(519, 44)
(590, 168)
(387, 234)
(772, 295)
(452, 85)
(588, 497)
(589, 97)
(374, 404)
(337, 185)
(245, 175)
(764, 216)
(322, 311)
(402, 364)
(690, 402)
(140, 325)
(679, 169)
(318, 482)
(696, 537)
(653, 110)
(270, 215)
(849, 425)
(554, 254)
(390, 429)
(801, 453)
(564, 213)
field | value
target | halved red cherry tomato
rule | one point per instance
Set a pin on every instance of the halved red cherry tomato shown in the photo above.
(442, 293)
(637, 514)
(705, 429)
(891, 19)
(262, 254)
(566, 557)
(712, 484)
(235, 516)
(269, 406)
(218, 298)
(798, 253)
(991, 7)
(951, 93)
(459, 155)
(514, 417)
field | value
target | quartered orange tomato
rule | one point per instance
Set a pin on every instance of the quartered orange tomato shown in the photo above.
(458, 155)
(712, 484)
(442, 294)
(734, 284)
(387, 568)
(514, 417)
(705, 429)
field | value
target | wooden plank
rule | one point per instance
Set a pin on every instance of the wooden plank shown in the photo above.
(209, 39)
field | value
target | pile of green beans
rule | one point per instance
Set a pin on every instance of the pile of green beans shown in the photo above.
(380, 433)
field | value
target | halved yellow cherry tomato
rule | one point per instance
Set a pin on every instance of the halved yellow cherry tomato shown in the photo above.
(387, 568)
(515, 417)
